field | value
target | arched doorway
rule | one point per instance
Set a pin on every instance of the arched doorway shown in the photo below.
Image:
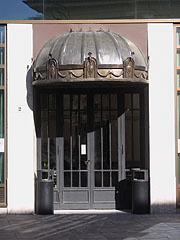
(90, 116)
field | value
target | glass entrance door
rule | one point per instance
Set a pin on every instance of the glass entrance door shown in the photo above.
(90, 163)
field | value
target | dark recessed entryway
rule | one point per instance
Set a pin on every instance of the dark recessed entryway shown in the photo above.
(90, 110)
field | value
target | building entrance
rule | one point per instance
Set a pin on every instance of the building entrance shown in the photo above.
(85, 144)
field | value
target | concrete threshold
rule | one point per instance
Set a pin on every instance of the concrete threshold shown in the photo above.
(90, 211)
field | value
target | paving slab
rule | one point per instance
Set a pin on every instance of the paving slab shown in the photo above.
(87, 225)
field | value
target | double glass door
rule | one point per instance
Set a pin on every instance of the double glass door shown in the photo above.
(90, 153)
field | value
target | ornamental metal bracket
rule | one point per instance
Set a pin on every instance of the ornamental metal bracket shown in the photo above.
(52, 65)
(90, 67)
(128, 67)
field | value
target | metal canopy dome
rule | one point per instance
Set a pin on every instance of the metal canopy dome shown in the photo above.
(87, 56)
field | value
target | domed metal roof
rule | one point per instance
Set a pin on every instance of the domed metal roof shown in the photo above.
(103, 50)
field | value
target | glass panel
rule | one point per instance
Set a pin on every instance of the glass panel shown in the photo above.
(1, 34)
(44, 153)
(52, 153)
(106, 179)
(83, 102)
(83, 137)
(179, 169)
(52, 124)
(114, 178)
(97, 102)
(1, 55)
(114, 140)
(1, 76)
(178, 115)
(136, 137)
(178, 57)
(44, 124)
(52, 101)
(127, 101)
(97, 149)
(84, 179)
(75, 141)
(67, 179)
(45, 175)
(1, 168)
(98, 179)
(67, 151)
(75, 101)
(128, 141)
(105, 101)
(135, 101)
(106, 153)
(66, 102)
(178, 36)
(44, 101)
(75, 179)
(178, 78)
(1, 113)
(113, 101)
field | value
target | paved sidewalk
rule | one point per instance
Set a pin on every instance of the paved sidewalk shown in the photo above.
(90, 225)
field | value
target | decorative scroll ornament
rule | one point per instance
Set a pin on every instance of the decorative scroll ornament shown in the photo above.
(90, 67)
(52, 67)
(128, 66)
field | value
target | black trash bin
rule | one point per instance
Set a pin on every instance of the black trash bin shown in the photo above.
(140, 192)
(123, 195)
(44, 195)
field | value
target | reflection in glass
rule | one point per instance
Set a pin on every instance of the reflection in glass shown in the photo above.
(44, 153)
(1, 76)
(75, 179)
(80, 9)
(83, 102)
(1, 113)
(136, 137)
(44, 124)
(44, 101)
(1, 55)
(67, 141)
(106, 179)
(106, 153)
(114, 140)
(52, 147)
(97, 102)
(97, 149)
(66, 102)
(75, 101)
(113, 101)
(52, 124)
(178, 77)
(127, 101)
(1, 34)
(1, 168)
(84, 179)
(114, 178)
(67, 179)
(128, 143)
(105, 101)
(178, 36)
(52, 101)
(98, 179)
(135, 101)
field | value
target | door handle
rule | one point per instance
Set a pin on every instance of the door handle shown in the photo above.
(87, 162)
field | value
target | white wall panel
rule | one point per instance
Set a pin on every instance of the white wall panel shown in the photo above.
(162, 121)
(20, 120)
